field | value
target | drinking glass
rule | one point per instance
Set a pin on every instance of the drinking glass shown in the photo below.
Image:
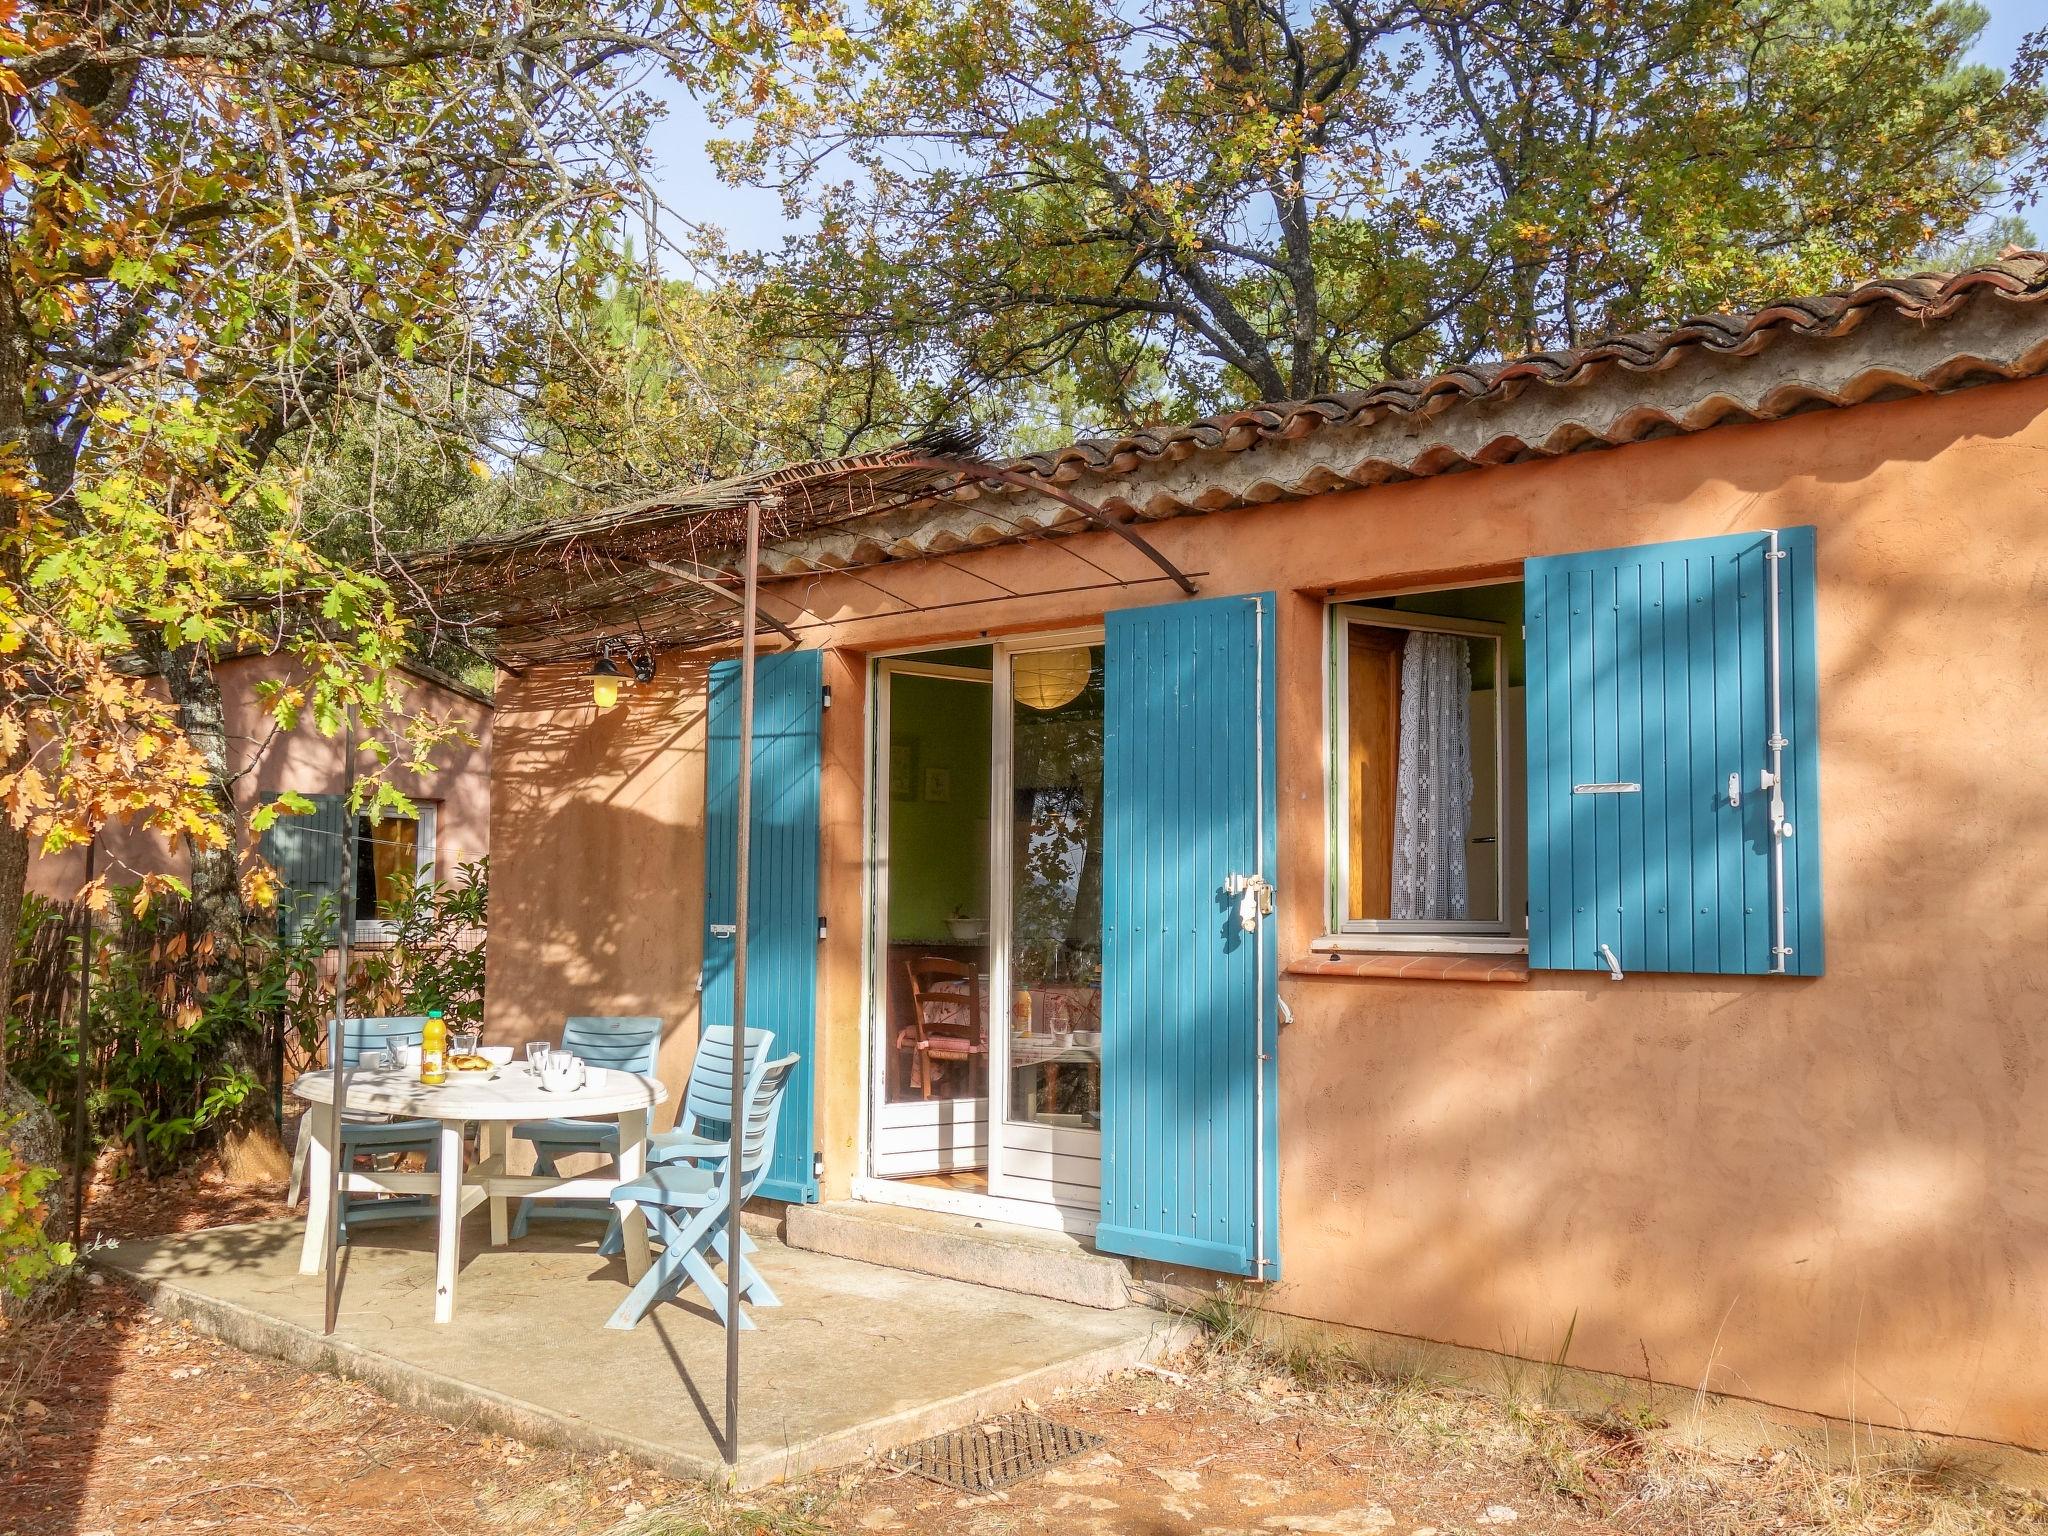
(536, 1055)
(463, 1042)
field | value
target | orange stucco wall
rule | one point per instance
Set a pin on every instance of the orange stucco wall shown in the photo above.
(1830, 1194)
(267, 761)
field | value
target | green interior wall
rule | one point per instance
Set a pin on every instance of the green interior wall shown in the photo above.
(938, 829)
(1499, 604)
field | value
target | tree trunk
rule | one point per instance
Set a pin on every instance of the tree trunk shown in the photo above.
(13, 886)
(251, 1141)
(13, 840)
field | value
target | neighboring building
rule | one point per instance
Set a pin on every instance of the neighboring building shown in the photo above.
(1493, 713)
(454, 802)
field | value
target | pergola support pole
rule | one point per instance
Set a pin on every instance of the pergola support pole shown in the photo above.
(80, 1140)
(345, 933)
(744, 814)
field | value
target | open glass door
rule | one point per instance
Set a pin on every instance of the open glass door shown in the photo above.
(1047, 1099)
(932, 987)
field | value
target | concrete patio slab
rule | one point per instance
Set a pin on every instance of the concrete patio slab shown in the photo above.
(857, 1360)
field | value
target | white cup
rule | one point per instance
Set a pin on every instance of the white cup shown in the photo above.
(562, 1072)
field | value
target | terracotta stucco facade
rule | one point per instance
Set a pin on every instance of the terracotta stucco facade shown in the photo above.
(267, 761)
(1829, 1194)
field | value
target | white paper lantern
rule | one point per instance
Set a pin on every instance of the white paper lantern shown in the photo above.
(1048, 679)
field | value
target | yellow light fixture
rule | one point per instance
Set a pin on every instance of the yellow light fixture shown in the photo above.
(1048, 679)
(605, 678)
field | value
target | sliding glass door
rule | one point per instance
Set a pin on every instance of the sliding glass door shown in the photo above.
(1046, 1094)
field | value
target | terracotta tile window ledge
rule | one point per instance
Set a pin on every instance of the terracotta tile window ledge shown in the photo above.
(1411, 965)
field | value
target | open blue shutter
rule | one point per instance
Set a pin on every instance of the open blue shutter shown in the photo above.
(306, 853)
(1650, 666)
(1189, 1086)
(782, 944)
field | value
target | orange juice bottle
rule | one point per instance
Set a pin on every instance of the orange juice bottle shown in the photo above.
(434, 1049)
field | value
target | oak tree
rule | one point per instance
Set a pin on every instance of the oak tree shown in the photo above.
(1179, 205)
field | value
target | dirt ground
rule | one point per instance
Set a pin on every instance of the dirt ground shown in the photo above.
(114, 1421)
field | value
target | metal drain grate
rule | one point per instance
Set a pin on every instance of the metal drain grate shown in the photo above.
(994, 1453)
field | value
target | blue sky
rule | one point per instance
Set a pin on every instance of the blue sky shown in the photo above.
(754, 219)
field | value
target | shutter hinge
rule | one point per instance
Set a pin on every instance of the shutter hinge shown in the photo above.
(827, 692)
(821, 928)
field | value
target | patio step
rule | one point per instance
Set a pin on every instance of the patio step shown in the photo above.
(1010, 1258)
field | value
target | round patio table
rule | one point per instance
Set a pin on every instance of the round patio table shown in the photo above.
(497, 1101)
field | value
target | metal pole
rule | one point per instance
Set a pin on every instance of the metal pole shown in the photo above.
(78, 1136)
(1776, 745)
(744, 815)
(344, 938)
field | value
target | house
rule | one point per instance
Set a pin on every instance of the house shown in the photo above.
(1571, 868)
(451, 830)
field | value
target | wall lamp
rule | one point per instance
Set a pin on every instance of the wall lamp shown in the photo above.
(606, 676)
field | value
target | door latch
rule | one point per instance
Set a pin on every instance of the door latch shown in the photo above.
(1254, 895)
(1764, 781)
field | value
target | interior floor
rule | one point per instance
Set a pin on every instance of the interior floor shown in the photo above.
(967, 1181)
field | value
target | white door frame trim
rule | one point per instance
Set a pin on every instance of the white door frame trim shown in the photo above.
(875, 1059)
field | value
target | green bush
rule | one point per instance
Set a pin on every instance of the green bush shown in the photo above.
(178, 1027)
(28, 1255)
(436, 955)
(184, 1033)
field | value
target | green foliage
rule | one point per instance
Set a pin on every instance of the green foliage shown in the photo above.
(166, 1019)
(1181, 204)
(436, 955)
(222, 245)
(167, 1068)
(28, 1254)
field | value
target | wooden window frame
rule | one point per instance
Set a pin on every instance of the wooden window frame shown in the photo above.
(1500, 934)
(426, 867)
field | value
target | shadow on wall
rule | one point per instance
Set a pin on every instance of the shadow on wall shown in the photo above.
(597, 853)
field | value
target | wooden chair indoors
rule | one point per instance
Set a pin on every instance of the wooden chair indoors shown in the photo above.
(947, 1021)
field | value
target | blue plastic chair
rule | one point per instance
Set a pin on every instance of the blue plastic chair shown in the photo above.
(370, 1135)
(703, 1128)
(690, 1205)
(627, 1043)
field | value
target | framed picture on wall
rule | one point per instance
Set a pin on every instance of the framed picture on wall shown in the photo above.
(905, 754)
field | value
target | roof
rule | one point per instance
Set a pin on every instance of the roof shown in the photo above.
(1881, 339)
(555, 591)
(651, 571)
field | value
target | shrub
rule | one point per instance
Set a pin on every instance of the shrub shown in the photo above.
(436, 957)
(175, 1024)
(183, 1032)
(29, 1257)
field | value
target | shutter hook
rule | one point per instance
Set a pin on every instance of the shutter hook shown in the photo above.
(1613, 965)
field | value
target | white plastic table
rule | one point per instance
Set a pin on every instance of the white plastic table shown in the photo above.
(496, 1101)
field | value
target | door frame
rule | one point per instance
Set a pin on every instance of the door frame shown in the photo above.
(867, 1185)
(876, 1063)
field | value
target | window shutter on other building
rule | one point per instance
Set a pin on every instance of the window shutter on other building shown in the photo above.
(306, 853)
(1649, 686)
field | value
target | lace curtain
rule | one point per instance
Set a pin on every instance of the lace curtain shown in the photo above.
(1433, 779)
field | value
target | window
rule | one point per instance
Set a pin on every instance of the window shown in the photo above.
(392, 856)
(1427, 834)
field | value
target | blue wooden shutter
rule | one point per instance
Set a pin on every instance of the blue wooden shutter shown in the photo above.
(306, 853)
(782, 945)
(1190, 1165)
(1650, 666)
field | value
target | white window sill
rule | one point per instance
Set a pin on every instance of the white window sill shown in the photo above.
(1338, 957)
(1419, 944)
